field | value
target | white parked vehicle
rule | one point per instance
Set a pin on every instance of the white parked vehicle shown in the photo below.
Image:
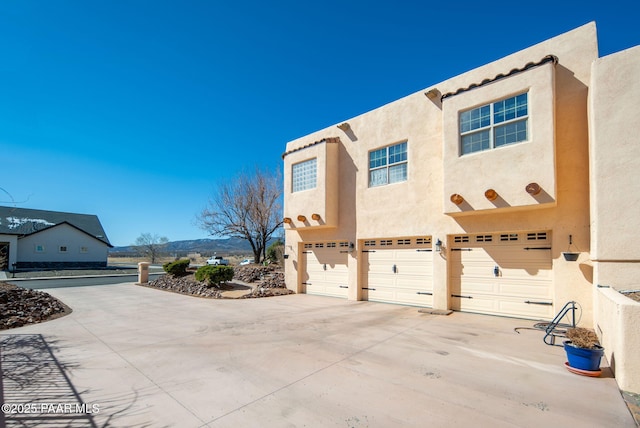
(217, 261)
(247, 262)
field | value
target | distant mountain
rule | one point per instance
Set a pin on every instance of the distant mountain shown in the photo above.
(202, 246)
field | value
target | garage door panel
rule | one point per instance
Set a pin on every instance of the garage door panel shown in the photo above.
(415, 270)
(416, 283)
(506, 307)
(479, 286)
(412, 297)
(476, 303)
(411, 256)
(336, 276)
(513, 288)
(398, 275)
(529, 310)
(326, 272)
(526, 261)
(381, 270)
(376, 278)
(523, 274)
(531, 273)
(482, 266)
(525, 289)
(327, 290)
(319, 288)
(380, 294)
(407, 297)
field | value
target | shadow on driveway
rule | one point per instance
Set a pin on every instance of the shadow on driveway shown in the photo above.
(36, 390)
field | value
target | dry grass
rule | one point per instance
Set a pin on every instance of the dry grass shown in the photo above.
(196, 259)
(583, 337)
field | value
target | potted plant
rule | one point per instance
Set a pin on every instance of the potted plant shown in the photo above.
(583, 350)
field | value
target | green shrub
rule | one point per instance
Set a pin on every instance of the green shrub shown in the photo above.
(214, 275)
(177, 268)
(275, 251)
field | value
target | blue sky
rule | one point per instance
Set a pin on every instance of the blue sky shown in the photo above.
(134, 110)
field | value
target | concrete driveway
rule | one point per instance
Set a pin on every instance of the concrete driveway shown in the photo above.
(131, 356)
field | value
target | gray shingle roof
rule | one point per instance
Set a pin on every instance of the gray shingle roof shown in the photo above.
(24, 221)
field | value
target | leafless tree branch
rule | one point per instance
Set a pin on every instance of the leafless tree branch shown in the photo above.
(151, 245)
(248, 207)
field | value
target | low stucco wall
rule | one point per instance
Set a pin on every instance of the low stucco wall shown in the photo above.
(617, 319)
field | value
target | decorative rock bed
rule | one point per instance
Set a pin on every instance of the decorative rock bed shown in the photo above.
(257, 281)
(21, 306)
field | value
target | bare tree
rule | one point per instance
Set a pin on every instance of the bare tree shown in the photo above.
(248, 207)
(151, 245)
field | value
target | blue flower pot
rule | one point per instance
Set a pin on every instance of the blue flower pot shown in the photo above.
(584, 359)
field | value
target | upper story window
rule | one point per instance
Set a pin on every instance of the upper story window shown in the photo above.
(388, 165)
(494, 125)
(304, 175)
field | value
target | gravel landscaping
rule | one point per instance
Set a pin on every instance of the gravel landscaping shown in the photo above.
(249, 281)
(21, 306)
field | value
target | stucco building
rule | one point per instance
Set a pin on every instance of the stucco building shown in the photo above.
(467, 194)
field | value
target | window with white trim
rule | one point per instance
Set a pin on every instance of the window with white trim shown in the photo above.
(388, 165)
(304, 175)
(62, 248)
(493, 125)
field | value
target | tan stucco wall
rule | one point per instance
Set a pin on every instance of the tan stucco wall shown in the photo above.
(557, 158)
(321, 200)
(615, 164)
(617, 323)
(615, 209)
(534, 159)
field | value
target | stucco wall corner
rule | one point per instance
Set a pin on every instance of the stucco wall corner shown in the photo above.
(617, 318)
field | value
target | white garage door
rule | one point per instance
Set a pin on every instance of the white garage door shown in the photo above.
(505, 274)
(325, 268)
(398, 271)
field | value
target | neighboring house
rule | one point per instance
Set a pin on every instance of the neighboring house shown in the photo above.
(49, 239)
(465, 195)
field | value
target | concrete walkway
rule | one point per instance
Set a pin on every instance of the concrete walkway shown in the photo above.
(147, 358)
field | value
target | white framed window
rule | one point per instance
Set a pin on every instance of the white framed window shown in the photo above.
(388, 165)
(62, 248)
(494, 125)
(304, 175)
(39, 248)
